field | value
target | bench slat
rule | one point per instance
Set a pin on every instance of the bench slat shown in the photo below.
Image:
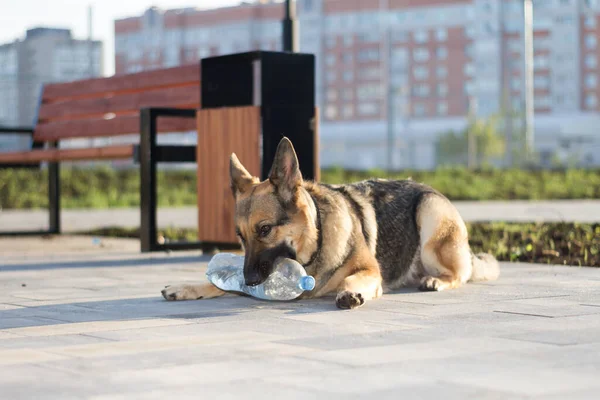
(120, 125)
(54, 155)
(122, 83)
(187, 96)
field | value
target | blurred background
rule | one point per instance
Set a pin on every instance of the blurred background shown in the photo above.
(401, 84)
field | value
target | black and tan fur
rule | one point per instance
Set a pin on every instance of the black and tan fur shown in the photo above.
(358, 240)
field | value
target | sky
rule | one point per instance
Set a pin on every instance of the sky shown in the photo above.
(16, 16)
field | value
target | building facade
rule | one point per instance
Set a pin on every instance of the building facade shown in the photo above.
(45, 55)
(398, 74)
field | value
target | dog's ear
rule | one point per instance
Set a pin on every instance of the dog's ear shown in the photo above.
(285, 172)
(240, 179)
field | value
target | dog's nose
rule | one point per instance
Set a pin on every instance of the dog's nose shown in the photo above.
(253, 280)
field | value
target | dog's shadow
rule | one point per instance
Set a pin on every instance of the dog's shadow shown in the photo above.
(230, 305)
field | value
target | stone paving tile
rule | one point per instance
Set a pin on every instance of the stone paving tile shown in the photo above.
(46, 342)
(435, 349)
(16, 322)
(492, 371)
(26, 356)
(91, 327)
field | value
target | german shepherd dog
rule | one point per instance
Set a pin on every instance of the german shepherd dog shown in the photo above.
(357, 240)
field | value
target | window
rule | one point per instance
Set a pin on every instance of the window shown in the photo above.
(442, 53)
(469, 50)
(590, 21)
(331, 76)
(541, 61)
(347, 58)
(565, 19)
(591, 101)
(590, 41)
(542, 102)
(307, 5)
(442, 108)
(331, 41)
(330, 59)
(420, 73)
(516, 103)
(470, 31)
(368, 109)
(400, 36)
(515, 46)
(154, 55)
(441, 34)
(591, 81)
(368, 91)
(442, 90)
(469, 87)
(421, 36)
(348, 40)
(348, 76)
(420, 54)
(399, 56)
(331, 112)
(421, 90)
(369, 73)
(591, 61)
(348, 94)
(469, 69)
(368, 37)
(348, 111)
(332, 94)
(441, 72)
(591, 3)
(366, 55)
(419, 110)
(515, 84)
(541, 82)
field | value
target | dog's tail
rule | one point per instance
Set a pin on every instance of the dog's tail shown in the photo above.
(485, 267)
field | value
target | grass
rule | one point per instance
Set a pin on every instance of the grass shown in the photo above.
(104, 187)
(547, 243)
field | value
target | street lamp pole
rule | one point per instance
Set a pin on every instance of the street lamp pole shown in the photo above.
(529, 99)
(289, 27)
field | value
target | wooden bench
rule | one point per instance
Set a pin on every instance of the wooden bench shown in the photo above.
(108, 107)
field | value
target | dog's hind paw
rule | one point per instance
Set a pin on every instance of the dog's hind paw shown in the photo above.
(348, 300)
(431, 284)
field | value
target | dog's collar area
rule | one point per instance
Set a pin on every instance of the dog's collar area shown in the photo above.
(316, 253)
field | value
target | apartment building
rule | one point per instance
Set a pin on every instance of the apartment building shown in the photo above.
(44, 55)
(401, 73)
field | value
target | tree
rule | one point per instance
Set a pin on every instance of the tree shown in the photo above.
(489, 143)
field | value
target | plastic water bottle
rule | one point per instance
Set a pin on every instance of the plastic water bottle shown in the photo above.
(287, 282)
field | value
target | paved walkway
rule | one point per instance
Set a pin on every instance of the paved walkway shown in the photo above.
(91, 324)
(521, 211)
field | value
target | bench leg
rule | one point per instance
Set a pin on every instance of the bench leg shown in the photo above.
(147, 157)
(54, 194)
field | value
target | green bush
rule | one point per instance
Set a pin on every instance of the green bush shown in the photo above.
(106, 187)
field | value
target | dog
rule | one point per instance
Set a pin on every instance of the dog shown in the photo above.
(357, 240)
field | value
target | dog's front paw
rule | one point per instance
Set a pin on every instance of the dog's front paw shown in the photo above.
(348, 300)
(431, 284)
(180, 292)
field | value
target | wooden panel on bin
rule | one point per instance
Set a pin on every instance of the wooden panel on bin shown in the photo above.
(53, 155)
(220, 132)
(120, 125)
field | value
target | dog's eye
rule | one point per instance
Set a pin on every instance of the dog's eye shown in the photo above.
(239, 234)
(265, 230)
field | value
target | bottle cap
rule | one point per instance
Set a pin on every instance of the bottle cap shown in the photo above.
(307, 283)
